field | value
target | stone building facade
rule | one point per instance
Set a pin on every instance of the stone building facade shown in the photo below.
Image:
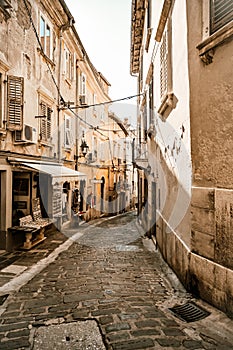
(50, 107)
(181, 53)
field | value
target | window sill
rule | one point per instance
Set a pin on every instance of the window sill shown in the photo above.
(46, 144)
(168, 104)
(46, 58)
(207, 46)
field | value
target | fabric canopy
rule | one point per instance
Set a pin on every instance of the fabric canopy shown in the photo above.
(57, 171)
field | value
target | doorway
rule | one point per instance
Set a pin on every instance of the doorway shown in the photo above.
(102, 194)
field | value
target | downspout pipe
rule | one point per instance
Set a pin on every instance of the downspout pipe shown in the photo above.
(62, 29)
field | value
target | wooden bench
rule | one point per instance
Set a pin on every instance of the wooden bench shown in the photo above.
(37, 226)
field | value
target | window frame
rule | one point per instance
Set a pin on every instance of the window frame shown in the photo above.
(47, 49)
(68, 63)
(210, 41)
(68, 132)
(215, 25)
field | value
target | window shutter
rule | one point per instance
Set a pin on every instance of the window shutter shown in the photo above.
(68, 140)
(83, 84)
(49, 113)
(43, 122)
(164, 65)
(15, 103)
(221, 12)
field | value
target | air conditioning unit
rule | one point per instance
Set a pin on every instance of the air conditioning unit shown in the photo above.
(82, 100)
(28, 134)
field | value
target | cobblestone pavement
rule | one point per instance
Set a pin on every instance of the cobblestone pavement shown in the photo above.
(113, 276)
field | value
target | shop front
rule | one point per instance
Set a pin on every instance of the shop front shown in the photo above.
(49, 184)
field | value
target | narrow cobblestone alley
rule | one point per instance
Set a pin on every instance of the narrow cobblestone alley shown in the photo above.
(113, 279)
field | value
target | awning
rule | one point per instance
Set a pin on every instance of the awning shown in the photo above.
(57, 171)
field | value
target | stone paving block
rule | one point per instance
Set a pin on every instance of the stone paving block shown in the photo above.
(117, 327)
(128, 316)
(31, 304)
(12, 344)
(39, 310)
(70, 298)
(147, 323)
(168, 322)
(118, 336)
(105, 320)
(134, 344)
(105, 312)
(145, 332)
(169, 342)
(18, 333)
(12, 326)
(17, 319)
(193, 344)
(175, 332)
(13, 306)
(78, 314)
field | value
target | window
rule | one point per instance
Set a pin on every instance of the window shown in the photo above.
(68, 64)
(83, 97)
(151, 100)
(45, 123)
(68, 132)
(221, 13)
(168, 98)
(45, 37)
(83, 84)
(15, 89)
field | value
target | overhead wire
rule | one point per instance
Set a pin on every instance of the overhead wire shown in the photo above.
(104, 103)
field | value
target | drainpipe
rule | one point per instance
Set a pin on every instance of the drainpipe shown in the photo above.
(63, 28)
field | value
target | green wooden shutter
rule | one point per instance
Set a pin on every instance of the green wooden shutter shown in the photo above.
(221, 13)
(15, 102)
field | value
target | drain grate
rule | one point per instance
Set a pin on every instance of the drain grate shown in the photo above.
(189, 312)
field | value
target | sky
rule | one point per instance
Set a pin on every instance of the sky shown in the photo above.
(104, 28)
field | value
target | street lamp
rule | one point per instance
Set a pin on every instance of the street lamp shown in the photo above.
(84, 148)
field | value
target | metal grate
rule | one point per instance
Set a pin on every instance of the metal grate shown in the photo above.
(189, 312)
